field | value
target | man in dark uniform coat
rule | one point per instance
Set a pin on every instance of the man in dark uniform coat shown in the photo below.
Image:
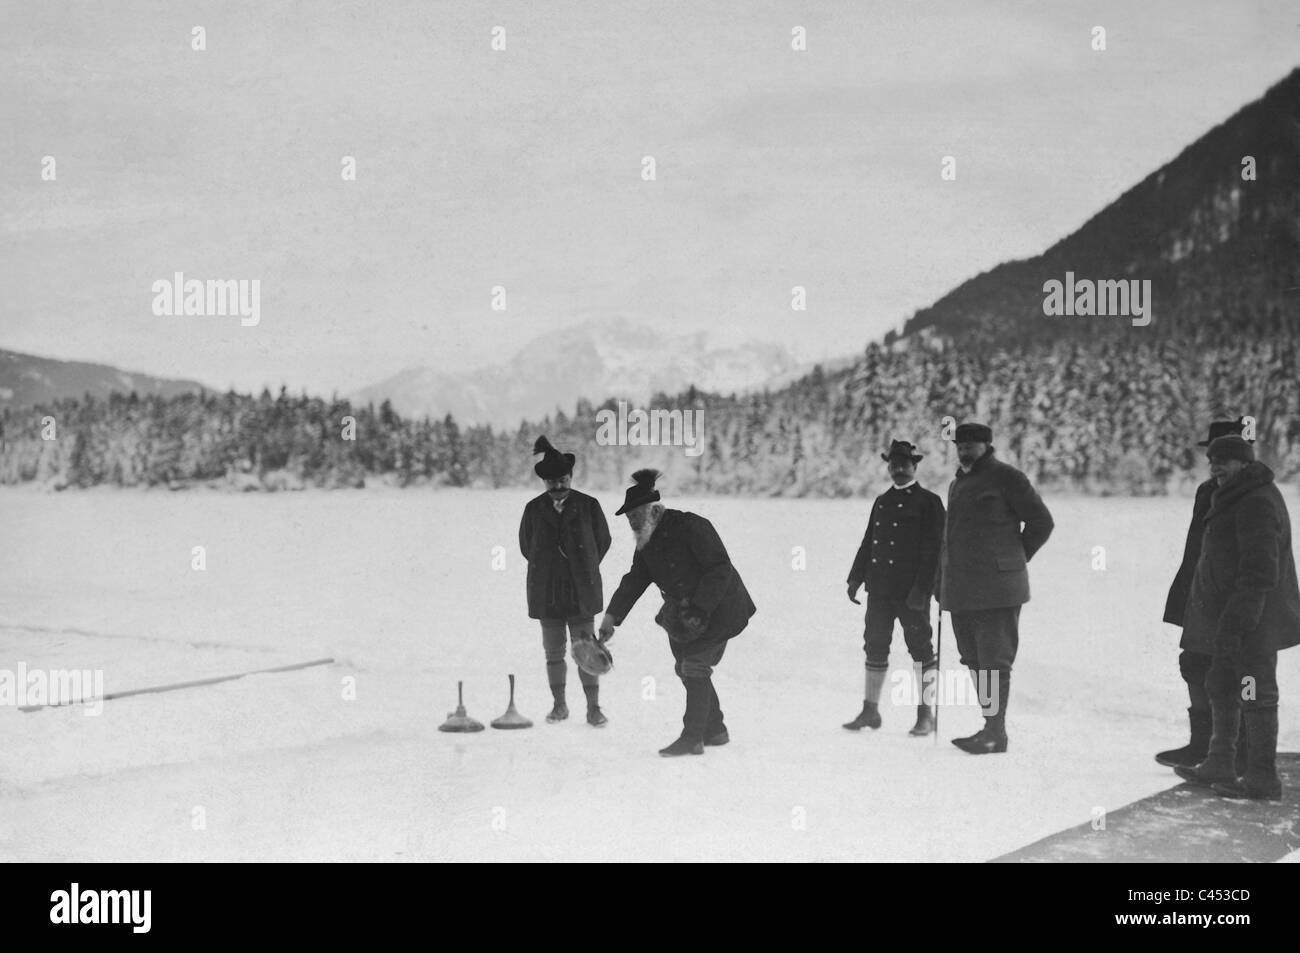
(564, 536)
(1196, 655)
(896, 562)
(705, 602)
(1245, 597)
(984, 579)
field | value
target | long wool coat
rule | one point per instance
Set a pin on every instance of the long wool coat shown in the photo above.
(1244, 594)
(1181, 588)
(685, 558)
(564, 553)
(983, 562)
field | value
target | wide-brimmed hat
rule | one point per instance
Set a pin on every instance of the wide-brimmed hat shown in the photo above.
(901, 448)
(640, 492)
(1224, 428)
(973, 433)
(554, 464)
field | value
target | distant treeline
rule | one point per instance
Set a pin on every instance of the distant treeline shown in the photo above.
(1117, 411)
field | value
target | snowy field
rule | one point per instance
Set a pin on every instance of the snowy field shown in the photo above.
(399, 587)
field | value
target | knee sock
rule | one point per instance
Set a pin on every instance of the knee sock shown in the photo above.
(557, 674)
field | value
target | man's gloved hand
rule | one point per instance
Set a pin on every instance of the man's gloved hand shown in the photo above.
(853, 592)
(918, 601)
(694, 621)
(606, 630)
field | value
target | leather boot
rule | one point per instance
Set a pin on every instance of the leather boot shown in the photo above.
(699, 701)
(962, 742)
(715, 732)
(926, 692)
(869, 717)
(556, 672)
(924, 721)
(1261, 781)
(595, 717)
(993, 738)
(1195, 750)
(1243, 748)
(1219, 763)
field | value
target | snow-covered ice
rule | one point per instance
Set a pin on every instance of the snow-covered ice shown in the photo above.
(400, 588)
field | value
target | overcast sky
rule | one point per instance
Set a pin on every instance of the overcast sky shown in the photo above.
(522, 168)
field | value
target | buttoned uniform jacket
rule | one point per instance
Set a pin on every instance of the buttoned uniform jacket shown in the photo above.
(900, 549)
(983, 563)
(1245, 596)
(686, 559)
(555, 544)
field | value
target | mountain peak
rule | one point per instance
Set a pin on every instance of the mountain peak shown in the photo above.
(592, 360)
(1219, 222)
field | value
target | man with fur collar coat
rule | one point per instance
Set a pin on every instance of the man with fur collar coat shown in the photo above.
(1245, 596)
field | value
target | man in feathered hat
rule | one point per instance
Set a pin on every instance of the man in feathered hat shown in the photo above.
(563, 536)
(705, 602)
(897, 562)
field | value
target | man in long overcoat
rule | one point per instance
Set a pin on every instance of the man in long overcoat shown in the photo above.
(996, 523)
(563, 536)
(1196, 652)
(705, 602)
(1246, 599)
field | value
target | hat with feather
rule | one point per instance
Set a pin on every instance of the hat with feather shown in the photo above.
(904, 449)
(641, 492)
(553, 464)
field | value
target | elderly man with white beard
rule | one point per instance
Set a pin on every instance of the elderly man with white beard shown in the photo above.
(705, 602)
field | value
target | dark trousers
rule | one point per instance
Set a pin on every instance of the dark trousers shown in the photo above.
(987, 641)
(696, 659)
(694, 666)
(1247, 679)
(1195, 669)
(882, 609)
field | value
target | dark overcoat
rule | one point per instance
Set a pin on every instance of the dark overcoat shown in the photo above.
(685, 558)
(1244, 593)
(900, 549)
(564, 553)
(1181, 588)
(984, 560)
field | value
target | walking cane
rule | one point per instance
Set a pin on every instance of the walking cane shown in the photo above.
(938, 673)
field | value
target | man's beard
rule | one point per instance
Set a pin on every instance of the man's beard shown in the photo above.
(642, 535)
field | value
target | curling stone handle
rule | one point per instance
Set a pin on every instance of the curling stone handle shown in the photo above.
(460, 694)
(512, 689)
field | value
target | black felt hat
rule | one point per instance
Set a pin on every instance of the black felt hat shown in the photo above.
(901, 448)
(640, 492)
(554, 464)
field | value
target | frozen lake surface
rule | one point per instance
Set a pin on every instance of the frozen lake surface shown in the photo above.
(400, 588)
